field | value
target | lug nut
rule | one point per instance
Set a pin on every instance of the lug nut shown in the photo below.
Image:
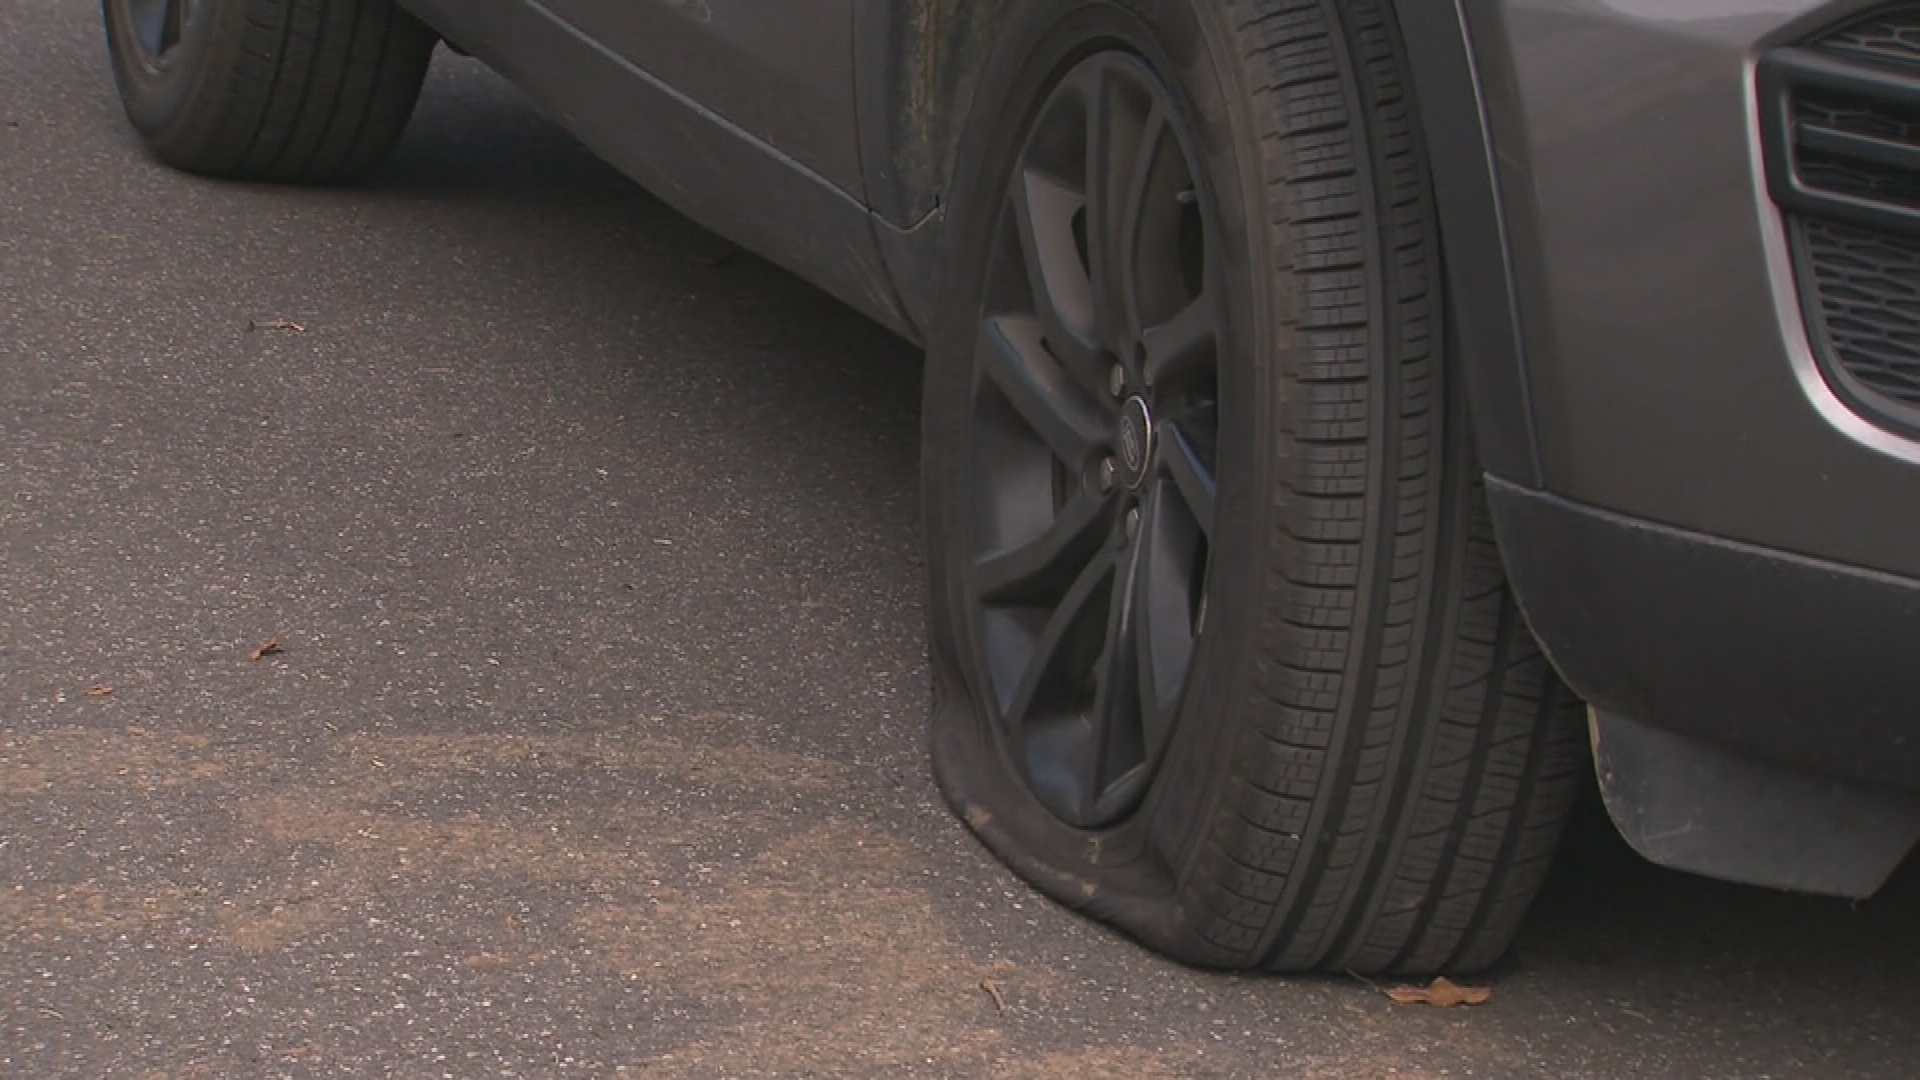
(1117, 381)
(1108, 474)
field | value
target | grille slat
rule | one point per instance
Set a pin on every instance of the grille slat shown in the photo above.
(1888, 36)
(1868, 149)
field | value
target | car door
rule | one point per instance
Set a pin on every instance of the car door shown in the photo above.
(779, 70)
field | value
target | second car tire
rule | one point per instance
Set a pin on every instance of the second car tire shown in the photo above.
(308, 91)
(1223, 651)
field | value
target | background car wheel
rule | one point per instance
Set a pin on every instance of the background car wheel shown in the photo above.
(1223, 650)
(290, 90)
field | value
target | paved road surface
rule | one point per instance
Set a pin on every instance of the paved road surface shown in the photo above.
(595, 744)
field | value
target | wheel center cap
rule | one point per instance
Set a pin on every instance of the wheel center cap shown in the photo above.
(1136, 441)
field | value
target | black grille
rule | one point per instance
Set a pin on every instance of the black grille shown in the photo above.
(1841, 121)
(1888, 35)
(1868, 286)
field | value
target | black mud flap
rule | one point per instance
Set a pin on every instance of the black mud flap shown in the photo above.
(1690, 805)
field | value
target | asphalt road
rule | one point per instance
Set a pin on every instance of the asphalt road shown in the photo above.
(594, 744)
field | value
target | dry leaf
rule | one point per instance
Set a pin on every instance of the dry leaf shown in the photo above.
(267, 648)
(993, 991)
(138, 732)
(1441, 993)
(101, 690)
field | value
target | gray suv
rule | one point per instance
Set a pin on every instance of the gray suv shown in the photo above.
(1347, 422)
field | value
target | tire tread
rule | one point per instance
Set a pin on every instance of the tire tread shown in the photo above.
(1410, 757)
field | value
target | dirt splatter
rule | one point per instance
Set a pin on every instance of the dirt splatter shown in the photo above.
(87, 909)
(275, 928)
(354, 823)
(823, 965)
(1101, 1063)
(729, 876)
(62, 761)
(364, 852)
(396, 847)
(407, 759)
(195, 1071)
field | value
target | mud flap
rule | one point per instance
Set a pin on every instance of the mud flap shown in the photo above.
(1692, 806)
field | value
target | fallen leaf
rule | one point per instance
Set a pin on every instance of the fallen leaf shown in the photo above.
(101, 690)
(138, 732)
(1441, 993)
(275, 324)
(267, 648)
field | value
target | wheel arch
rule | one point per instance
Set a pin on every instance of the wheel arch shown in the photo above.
(1457, 80)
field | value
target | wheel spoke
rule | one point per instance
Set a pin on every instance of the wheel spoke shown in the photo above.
(1054, 643)
(149, 19)
(1108, 301)
(172, 20)
(1183, 342)
(1043, 567)
(1043, 213)
(1116, 734)
(1123, 147)
(1013, 358)
(1155, 713)
(1130, 217)
(1163, 607)
(1120, 711)
(1191, 477)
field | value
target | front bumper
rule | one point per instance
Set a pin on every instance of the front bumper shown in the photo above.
(1721, 546)
(1794, 659)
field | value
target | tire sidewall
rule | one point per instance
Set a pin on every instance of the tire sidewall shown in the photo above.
(1125, 871)
(160, 98)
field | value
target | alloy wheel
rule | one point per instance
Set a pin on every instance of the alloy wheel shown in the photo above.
(1093, 439)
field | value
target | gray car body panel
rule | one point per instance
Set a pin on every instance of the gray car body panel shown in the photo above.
(781, 72)
(1666, 357)
(1667, 467)
(731, 178)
